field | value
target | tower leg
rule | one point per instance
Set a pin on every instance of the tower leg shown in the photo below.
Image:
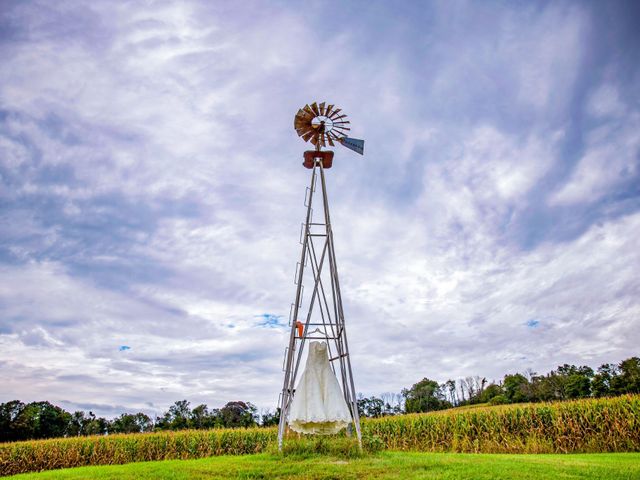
(286, 391)
(348, 372)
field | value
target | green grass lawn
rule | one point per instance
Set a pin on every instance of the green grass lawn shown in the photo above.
(386, 465)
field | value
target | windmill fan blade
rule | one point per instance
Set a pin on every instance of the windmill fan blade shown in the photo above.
(300, 123)
(328, 112)
(330, 140)
(302, 132)
(334, 135)
(335, 113)
(303, 120)
(303, 116)
(307, 109)
(303, 126)
(322, 108)
(308, 135)
(314, 107)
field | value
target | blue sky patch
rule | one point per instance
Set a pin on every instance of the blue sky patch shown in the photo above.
(269, 320)
(533, 323)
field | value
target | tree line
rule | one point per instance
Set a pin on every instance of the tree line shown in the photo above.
(564, 383)
(37, 420)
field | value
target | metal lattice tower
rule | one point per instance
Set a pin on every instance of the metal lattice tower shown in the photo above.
(321, 316)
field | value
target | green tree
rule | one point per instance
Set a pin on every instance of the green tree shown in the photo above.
(97, 426)
(515, 388)
(34, 420)
(372, 407)
(9, 412)
(578, 386)
(567, 381)
(43, 420)
(131, 423)
(575, 382)
(629, 379)
(425, 396)
(177, 418)
(238, 414)
(77, 424)
(94, 426)
(498, 400)
(601, 383)
(270, 419)
(179, 413)
(490, 392)
(201, 418)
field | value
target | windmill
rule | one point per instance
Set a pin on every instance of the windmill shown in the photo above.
(321, 316)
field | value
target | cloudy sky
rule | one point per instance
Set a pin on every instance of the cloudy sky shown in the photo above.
(152, 192)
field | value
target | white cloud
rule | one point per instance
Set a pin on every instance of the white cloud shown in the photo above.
(605, 102)
(610, 160)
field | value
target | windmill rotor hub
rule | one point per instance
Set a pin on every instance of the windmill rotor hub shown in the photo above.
(319, 122)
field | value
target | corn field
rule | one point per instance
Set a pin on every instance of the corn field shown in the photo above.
(593, 425)
(580, 426)
(37, 455)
